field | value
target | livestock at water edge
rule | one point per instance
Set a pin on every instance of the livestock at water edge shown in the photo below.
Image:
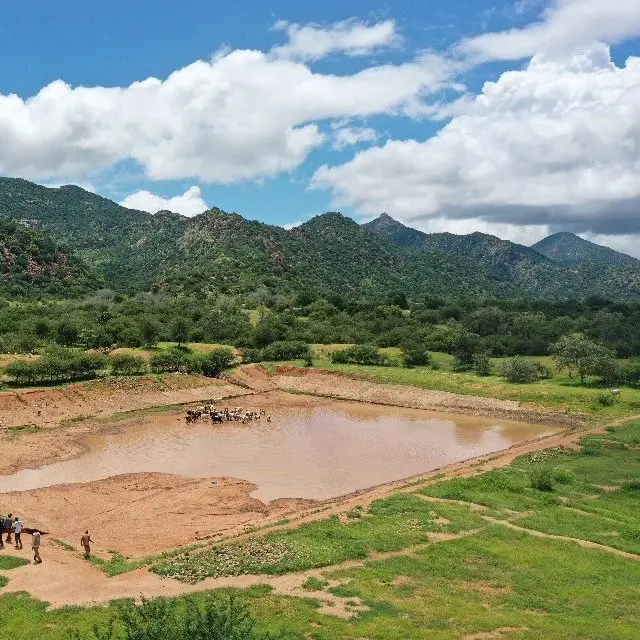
(218, 416)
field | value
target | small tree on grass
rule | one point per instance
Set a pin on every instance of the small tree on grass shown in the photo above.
(150, 331)
(180, 331)
(416, 355)
(482, 364)
(579, 355)
(215, 362)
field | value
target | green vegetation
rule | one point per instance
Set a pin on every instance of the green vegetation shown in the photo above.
(11, 562)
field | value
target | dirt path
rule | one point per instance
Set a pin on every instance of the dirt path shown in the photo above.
(67, 579)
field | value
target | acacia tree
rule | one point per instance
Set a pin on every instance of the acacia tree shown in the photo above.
(579, 355)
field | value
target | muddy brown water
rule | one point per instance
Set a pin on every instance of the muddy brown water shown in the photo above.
(316, 453)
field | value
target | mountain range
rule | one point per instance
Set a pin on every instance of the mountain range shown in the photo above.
(107, 245)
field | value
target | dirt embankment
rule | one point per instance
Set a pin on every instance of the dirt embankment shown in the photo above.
(49, 407)
(146, 513)
(345, 387)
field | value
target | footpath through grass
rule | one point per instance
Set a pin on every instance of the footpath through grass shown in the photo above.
(453, 566)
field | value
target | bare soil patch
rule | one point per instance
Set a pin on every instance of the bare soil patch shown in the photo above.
(344, 387)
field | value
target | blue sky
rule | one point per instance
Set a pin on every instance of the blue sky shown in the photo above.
(350, 105)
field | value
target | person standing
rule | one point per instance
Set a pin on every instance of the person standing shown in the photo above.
(17, 532)
(9, 517)
(86, 541)
(35, 545)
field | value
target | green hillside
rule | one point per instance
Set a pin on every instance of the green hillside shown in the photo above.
(570, 250)
(32, 265)
(526, 270)
(218, 252)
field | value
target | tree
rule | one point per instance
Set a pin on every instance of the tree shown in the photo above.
(215, 362)
(466, 347)
(579, 355)
(66, 333)
(150, 330)
(416, 355)
(180, 331)
(364, 354)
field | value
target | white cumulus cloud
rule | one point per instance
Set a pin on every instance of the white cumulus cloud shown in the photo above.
(243, 115)
(564, 25)
(351, 37)
(190, 203)
(348, 136)
(555, 143)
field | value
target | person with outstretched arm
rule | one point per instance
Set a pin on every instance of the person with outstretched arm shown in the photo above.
(86, 541)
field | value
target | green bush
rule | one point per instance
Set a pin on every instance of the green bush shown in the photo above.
(542, 479)
(212, 364)
(520, 371)
(58, 364)
(169, 361)
(285, 350)
(364, 354)
(127, 364)
(482, 364)
(416, 356)
(605, 399)
(209, 617)
(249, 354)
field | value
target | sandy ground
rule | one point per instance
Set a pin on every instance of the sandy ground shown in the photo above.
(142, 514)
(145, 513)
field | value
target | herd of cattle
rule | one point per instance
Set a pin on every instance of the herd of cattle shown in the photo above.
(238, 414)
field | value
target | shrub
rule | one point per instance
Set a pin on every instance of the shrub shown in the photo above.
(169, 361)
(249, 354)
(520, 371)
(212, 364)
(210, 617)
(632, 485)
(482, 364)
(542, 479)
(56, 365)
(285, 350)
(364, 354)
(127, 364)
(416, 356)
(605, 399)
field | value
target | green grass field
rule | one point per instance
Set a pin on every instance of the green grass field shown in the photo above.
(493, 574)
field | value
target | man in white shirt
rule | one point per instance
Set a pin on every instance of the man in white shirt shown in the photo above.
(17, 530)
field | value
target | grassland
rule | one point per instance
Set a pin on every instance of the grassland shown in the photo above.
(450, 559)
